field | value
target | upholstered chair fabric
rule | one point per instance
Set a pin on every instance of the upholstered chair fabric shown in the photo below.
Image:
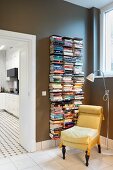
(86, 134)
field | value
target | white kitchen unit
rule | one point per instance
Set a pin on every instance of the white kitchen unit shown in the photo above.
(12, 104)
(12, 60)
(2, 101)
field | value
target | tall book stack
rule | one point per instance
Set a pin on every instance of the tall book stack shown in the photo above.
(66, 83)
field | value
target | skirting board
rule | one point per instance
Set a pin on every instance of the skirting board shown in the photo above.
(47, 144)
(52, 143)
(103, 142)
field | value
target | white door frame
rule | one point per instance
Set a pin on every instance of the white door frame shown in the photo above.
(31, 40)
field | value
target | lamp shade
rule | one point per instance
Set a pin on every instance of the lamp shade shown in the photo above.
(91, 77)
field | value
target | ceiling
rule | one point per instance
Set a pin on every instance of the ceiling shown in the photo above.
(11, 44)
(91, 3)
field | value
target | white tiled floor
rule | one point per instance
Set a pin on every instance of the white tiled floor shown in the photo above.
(51, 159)
(9, 136)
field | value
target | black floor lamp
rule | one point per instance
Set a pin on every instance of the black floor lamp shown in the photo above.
(91, 77)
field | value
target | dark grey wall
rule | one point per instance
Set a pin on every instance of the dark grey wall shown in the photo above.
(97, 91)
(44, 18)
(94, 39)
(97, 88)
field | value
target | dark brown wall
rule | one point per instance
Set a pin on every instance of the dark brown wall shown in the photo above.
(97, 92)
(97, 88)
(44, 18)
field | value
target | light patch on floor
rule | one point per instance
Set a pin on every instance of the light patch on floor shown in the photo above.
(9, 136)
(51, 159)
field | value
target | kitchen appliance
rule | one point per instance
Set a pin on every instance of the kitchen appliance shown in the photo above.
(16, 86)
(12, 73)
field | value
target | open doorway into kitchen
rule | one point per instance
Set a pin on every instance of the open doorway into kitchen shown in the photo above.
(17, 93)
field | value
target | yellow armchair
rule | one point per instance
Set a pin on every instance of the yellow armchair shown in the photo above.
(86, 134)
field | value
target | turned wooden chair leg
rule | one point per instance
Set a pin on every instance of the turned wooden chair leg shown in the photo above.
(87, 158)
(63, 151)
(99, 148)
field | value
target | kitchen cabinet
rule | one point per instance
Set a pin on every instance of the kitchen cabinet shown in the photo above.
(10, 103)
(2, 101)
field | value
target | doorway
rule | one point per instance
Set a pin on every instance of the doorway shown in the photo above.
(27, 86)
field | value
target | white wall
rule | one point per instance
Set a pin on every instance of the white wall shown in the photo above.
(12, 61)
(2, 68)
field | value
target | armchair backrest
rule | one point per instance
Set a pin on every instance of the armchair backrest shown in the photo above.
(90, 116)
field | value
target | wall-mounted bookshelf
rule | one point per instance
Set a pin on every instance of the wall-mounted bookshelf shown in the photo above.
(66, 82)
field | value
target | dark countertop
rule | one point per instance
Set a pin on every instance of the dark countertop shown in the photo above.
(10, 93)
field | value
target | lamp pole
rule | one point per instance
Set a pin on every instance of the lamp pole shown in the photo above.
(105, 98)
(91, 78)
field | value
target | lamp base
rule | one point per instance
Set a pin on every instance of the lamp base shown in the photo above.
(108, 152)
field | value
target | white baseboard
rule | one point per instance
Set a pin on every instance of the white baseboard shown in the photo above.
(55, 143)
(47, 144)
(103, 142)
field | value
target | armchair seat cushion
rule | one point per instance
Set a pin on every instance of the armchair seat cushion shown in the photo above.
(79, 135)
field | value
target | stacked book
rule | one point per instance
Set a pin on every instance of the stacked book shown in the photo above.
(78, 43)
(56, 40)
(68, 59)
(78, 69)
(68, 51)
(67, 78)
(56, 97)
(56, 120)
(68, 42)
(58, 50)
(55, 87)
(56, 78)
(68, 68)
(56, 59)
(77, 46)
(67, 88)
(68, 115)
(66, 83)
(56, 68)
(68, 95)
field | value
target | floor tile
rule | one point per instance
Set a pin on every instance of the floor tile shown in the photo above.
(4, 161)
(40, 157)
(51, 159)
(55, 152)
(8, 166)
(107, 159)
(51, 165)
(24, 163)
(18, 157)
(80, 167)
(108, 168)
(97, 164)
(68, 162)
(34, 168)
(9, 136)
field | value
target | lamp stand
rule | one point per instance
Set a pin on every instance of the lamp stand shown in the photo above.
(91, 77)
(107, 151)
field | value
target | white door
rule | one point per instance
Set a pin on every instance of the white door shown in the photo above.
(27, 82)
(27, 125)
